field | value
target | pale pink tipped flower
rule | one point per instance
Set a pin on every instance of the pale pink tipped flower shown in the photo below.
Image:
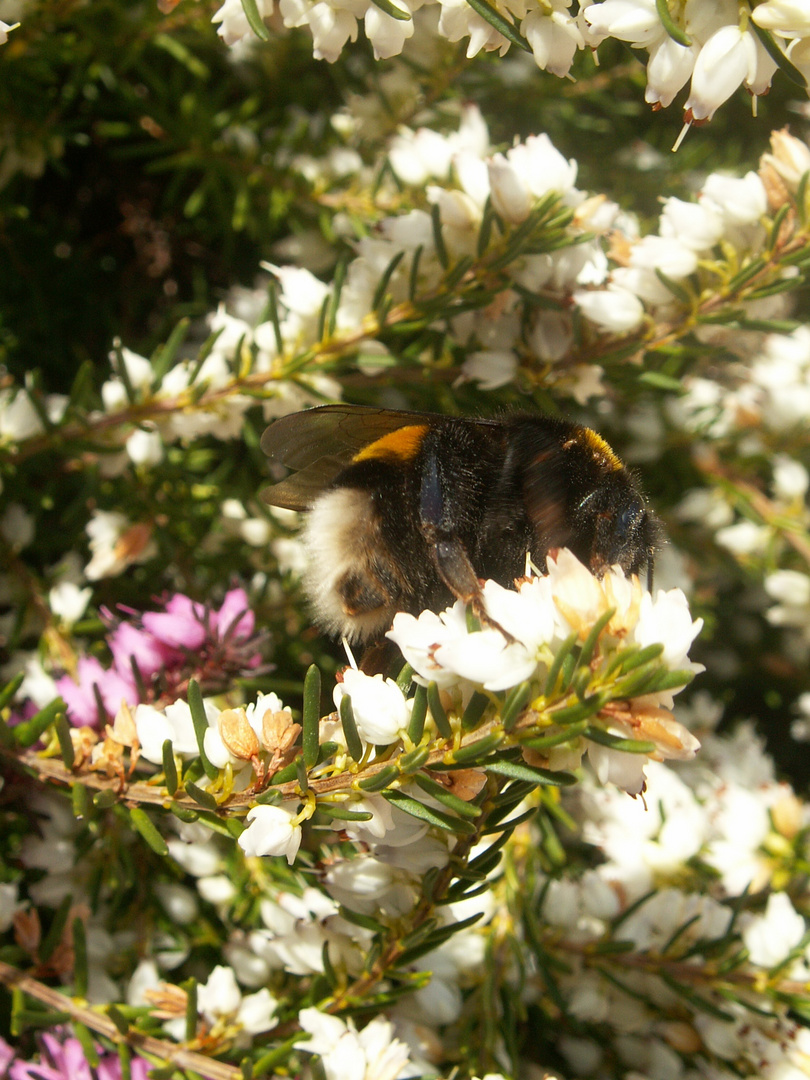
(92, 679)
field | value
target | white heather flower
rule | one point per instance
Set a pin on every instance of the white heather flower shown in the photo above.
(222, 418)
(5, 30)
(379, 706)
(487, 659)
(37, 684)
(144, 977)
(199, 857)
(257, 532)
(220, 995)
(553, 35)
(552, 335)
(739, 825)
(624, 770)
(9, 904)
(668, 69)
(440, 647)
(139, 375)
(705, 506)
(696, 225)
(145, 447)
(663, 253)
(217, 889)
(458, 20)
(635, 21)
(386, 34)
(744, 538)
(115, 544)
(790, 478)
(578, 595)
(178, 901)
(367, 884)
(174, 723)
(473, 174)
(770, 937)
(273, 830)
(233, 24)
(584, 381)
(231, 331)
(667, 620)
(331, 27)
(729, 58)
(346, 1054)
(544, 168)
(17, 526)
(654, 922)
(741, 200)
(302, 294)
(792, 591)
(491, 368)
(380, 822)
(68, 602)
(460, 217)
(615, 309)
(527, 172)
(642, 841)
(788, 18)
(527, 614)
(419, 639)
(511, 198)
(644, 283)
(19, 419)
(416, 156)
(257, 1012)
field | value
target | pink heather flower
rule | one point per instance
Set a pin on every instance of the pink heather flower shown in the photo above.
(6, 1055)
(65, 1060)
(153, 661)
(80, 696)
(129, 644)
(180, 626)
(235, 617)
(185, 624)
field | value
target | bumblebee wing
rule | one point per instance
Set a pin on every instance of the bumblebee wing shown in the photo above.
(315, 445)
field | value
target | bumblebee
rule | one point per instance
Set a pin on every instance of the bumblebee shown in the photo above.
(410, 510)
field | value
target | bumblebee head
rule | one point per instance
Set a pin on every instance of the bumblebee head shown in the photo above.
(624, 532)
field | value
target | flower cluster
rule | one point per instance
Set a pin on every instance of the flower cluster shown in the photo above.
(728, 811)
(62, 1057)
(599, 277)
(155, 655)
(718, 46)
(531, 624)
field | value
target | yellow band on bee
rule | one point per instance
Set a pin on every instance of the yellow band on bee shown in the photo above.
(404, 443)
(600, 447)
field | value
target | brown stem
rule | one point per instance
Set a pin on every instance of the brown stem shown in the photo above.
(166, 1051)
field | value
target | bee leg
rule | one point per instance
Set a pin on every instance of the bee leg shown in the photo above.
(439, 528)
(381, 658)
(456, 570)
(458, 574)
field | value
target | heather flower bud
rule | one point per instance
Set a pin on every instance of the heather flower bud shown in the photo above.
(789, 159)
(511, 197)
(237, 734)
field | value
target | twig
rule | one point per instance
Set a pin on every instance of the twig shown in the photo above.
(166, 1051)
